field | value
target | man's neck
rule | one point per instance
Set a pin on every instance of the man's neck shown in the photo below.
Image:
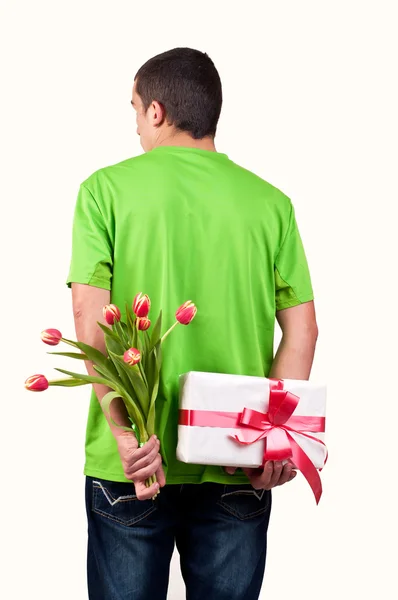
(183, 139)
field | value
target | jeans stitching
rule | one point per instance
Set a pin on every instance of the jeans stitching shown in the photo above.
(244, 517)
(120, 521)
(234, 512)
(107, 493)
(247, 492)
(114, 518)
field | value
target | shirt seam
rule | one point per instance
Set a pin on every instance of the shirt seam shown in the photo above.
(292, 303)
(286, 233)
(287, 283)
(89, 280)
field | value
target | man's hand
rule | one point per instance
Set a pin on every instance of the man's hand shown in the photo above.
(274, 473)
(141, 463)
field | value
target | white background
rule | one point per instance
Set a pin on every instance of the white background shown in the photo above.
(311, 106)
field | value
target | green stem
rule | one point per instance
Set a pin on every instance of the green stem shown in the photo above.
(142, 373)
(70, 342)
(168, 332)
(70, 382)
(120, 332)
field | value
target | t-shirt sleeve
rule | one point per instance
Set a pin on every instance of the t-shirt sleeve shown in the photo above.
(292, 277)
(92, 253)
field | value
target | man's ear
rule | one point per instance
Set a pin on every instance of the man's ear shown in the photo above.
(158, 113)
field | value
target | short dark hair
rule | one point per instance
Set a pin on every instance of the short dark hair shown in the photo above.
(187, 84)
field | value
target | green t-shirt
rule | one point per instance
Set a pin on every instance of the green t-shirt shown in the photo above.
(181, 224)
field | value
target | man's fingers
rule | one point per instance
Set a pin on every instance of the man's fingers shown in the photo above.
(267, 474)
(230, 470)
(285, 474)
(147, 459)
(260, 478)
(278, 467)
(152, 443)
(160, 476)
(273, 474)
(143, 492)
(251, 472)
(147, 472)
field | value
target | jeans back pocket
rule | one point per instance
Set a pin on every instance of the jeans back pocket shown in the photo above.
(244, 502)
(118, 501)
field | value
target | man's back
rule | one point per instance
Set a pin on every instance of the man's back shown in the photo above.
(180, 223)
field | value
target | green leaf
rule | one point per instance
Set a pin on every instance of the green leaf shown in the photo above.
(106, 407)
(158, 365)
(135, 337)
(114, 345)
(125, 332)
(151, 370)
(87, 378)
(136, 431)
(142, 370)
(155, 374)
(139, 344)
(130, 324)
(77, 355)
(70, 382)
(137, 384)
(115, 378)
(159, 354)
(147, 341)
(121, 377)
(93, 354)
(134, 413)
(156, 332)
(110, 366)
(117, 328)
(145, 354)
(108, 331)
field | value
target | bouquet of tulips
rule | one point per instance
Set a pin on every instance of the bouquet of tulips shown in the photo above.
(131, 366)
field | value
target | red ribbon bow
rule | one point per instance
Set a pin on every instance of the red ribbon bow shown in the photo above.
(275, 427)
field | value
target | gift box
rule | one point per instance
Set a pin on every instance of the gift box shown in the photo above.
(242, 421)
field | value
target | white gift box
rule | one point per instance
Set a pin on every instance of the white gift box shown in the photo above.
(200, 391)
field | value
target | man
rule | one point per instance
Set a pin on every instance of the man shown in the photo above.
(179, 222)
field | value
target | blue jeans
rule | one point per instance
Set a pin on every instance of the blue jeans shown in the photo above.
(220, 532)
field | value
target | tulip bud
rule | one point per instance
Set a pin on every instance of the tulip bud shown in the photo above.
(36, 383)
(141, 305)
(111, 313)
(52, 337)
(143, 323)
(132, 356)
(186, 312)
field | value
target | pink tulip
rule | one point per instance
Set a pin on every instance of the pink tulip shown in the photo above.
(132, 356)
(143, 323)
(111, 313)
(36, 383)
(52, 337)
(186, 312)
(141, 305)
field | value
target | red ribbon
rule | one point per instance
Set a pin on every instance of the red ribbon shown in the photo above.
(274, 427)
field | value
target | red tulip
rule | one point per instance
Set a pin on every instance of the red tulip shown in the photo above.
(141, 305)
(186, 312)
(132, 356)
(36, 383)
(111, 313)
(52, 337)
(143, 323)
